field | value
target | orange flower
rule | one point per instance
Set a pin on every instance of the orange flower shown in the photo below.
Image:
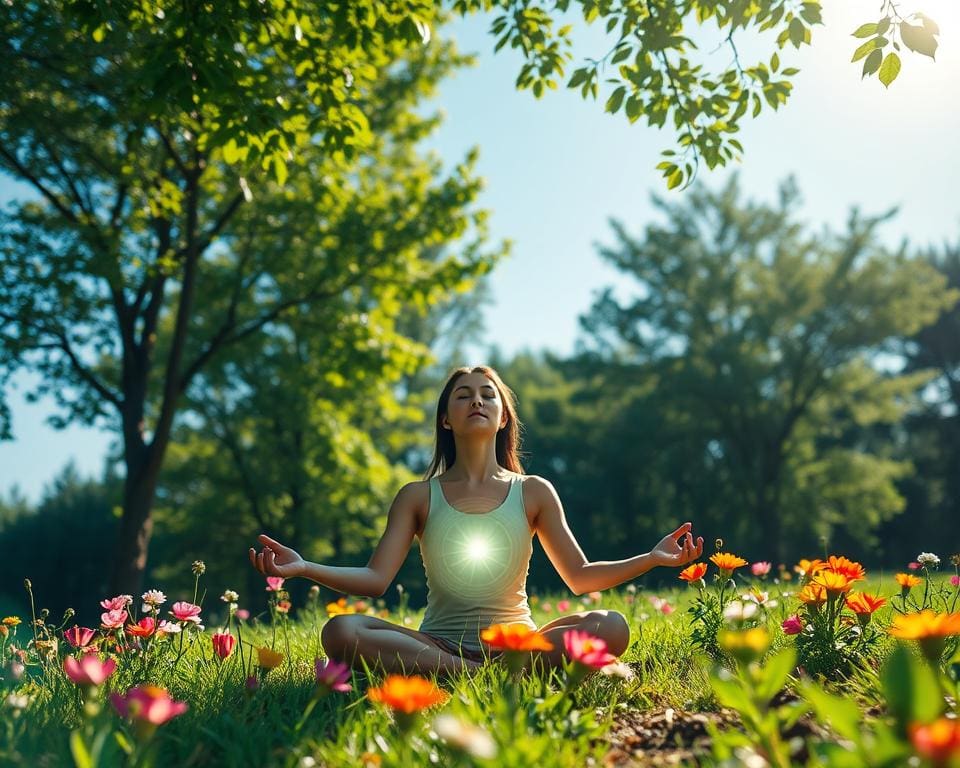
(693, 572)
(340, 607)
(268, 658)
(813, 594)
(918, 626)
(835, 583)
(908, 580)
(809, 567)
(863, 604)
(853, 571)
(726, 562)
(407, 694)
(937, 741)
(515, 637)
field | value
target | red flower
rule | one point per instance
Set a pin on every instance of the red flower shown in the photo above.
(79, 637)
(792, 625)
(143, 628)
(223, 644)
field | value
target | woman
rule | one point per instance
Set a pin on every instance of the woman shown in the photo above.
(475, 521)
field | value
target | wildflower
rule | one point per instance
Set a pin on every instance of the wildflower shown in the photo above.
(88, 670)
(693, 574)
(595, 597)
(4, 630)
(314, 592)
(812, 594)
(168, 627)
(662, 605)
(148, 705)
(852, 570)
(268, 659)
(907, 581)
(274, 583)
(185, 612)
(79, 637)
(744, 645)
(251, 684)
(864, 605)
(563, 605)
(118, 603)
(11, 621)
(515, 637)
(199, 568)
(586, 649)
(834, 582)
(332, 676)
(143, 628)
(955, 559)
(806, 568)
(792, 625)
(229, 596)
(761, 568)
(339, 608)
(407, 694)
(242, 614)
(914, 566)
(727, 563)
(223, 644)
(153, 598)
(469, 738)
(284, 606)
(928, 559)
(632, 588)
(758, 597)
(955, 580)
(113, 619)
(738, 612)
(617, 669)
(928, 628)
(546, 607)
(938, 741)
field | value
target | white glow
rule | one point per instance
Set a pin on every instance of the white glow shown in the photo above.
(478, 549)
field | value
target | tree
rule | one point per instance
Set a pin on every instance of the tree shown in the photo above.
(762, 336)
(147, 257)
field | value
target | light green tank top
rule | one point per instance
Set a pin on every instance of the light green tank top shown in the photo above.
(476, 566)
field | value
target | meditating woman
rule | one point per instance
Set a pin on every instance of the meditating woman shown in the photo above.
(475, 515)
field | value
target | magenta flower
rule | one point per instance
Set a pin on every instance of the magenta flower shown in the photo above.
(148, 704)
(955, 580)
(563, 605)
(586, 649)
(761, 568)
(242, 613)
(79, 637)
(914, 566)
(332, 676)
(792, 625)
(184, 611)
(117, 603)
(113, 619)
(88, 670)
(223, 644)
(274, 583)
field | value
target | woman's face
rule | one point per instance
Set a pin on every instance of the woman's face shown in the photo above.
(475, 406)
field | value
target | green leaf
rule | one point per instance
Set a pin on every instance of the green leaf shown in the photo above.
(579, 77)
(616, 99)
(883, 25)
(919, 39)
(280, 169)
(731, 693)
(889, 69)
(675, 179)
(870, 45)
(911, 688)
(866, 30)
(81, 755)
(774, 62)
(796, 32)
(872, 63)
(842, 715)
(775, 673)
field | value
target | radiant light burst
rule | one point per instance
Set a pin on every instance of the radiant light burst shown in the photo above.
(478, 548)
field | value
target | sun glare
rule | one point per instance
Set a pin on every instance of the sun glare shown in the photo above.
(478, 549)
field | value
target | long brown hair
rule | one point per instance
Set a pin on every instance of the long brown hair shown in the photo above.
(508, 438)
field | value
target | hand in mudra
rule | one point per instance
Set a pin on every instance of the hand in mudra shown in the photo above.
(276, 559)
(677, 548)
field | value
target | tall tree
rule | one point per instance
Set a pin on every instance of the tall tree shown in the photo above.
(763, 335)
(158, 242)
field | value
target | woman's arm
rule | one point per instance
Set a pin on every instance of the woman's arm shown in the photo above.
(579, 574)
(371, 580)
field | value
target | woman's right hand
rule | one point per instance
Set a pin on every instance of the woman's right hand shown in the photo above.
(276, 559)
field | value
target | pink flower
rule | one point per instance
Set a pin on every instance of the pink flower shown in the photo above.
(792, 625)
(79, 637)
(223, 644)
(169, 627)
(595, 597)
(761, 568)
(114, 618)
(88, 670)
(955, 580)
(661, 605)
(332, 675)
(242, 613)
(184, 611)
(914, 566)
(563, 605)
(586, 649)
(274, 583)
(546, 607)
(117, 603)
(148, 704)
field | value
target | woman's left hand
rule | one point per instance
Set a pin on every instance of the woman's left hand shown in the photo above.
(677, 548)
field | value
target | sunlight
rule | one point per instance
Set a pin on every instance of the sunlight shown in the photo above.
(478, 548)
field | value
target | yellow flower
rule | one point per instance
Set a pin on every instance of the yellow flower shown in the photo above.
(928, 628)
(835, 583)
(339, 608)
(746, 645)
(908, 580)
(268, 659)
(11, 621)
(813, 594)
(726, 562)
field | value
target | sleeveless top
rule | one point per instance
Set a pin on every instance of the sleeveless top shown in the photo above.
(476, 566)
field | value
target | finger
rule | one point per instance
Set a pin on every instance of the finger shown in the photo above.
(681, 530)
(699, 546)
(272, 543)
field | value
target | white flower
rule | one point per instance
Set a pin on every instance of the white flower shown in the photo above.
(618, 669)
(927, 559)
(169, 627)
(229, 596)
(738, 612)
(153, 597)
(466, 736)
(631, 588)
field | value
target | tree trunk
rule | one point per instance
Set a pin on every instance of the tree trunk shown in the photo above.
(136, 527)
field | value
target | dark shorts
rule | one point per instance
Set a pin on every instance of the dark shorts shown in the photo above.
(455, 649)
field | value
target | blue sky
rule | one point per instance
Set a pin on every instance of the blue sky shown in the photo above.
(558, 169)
